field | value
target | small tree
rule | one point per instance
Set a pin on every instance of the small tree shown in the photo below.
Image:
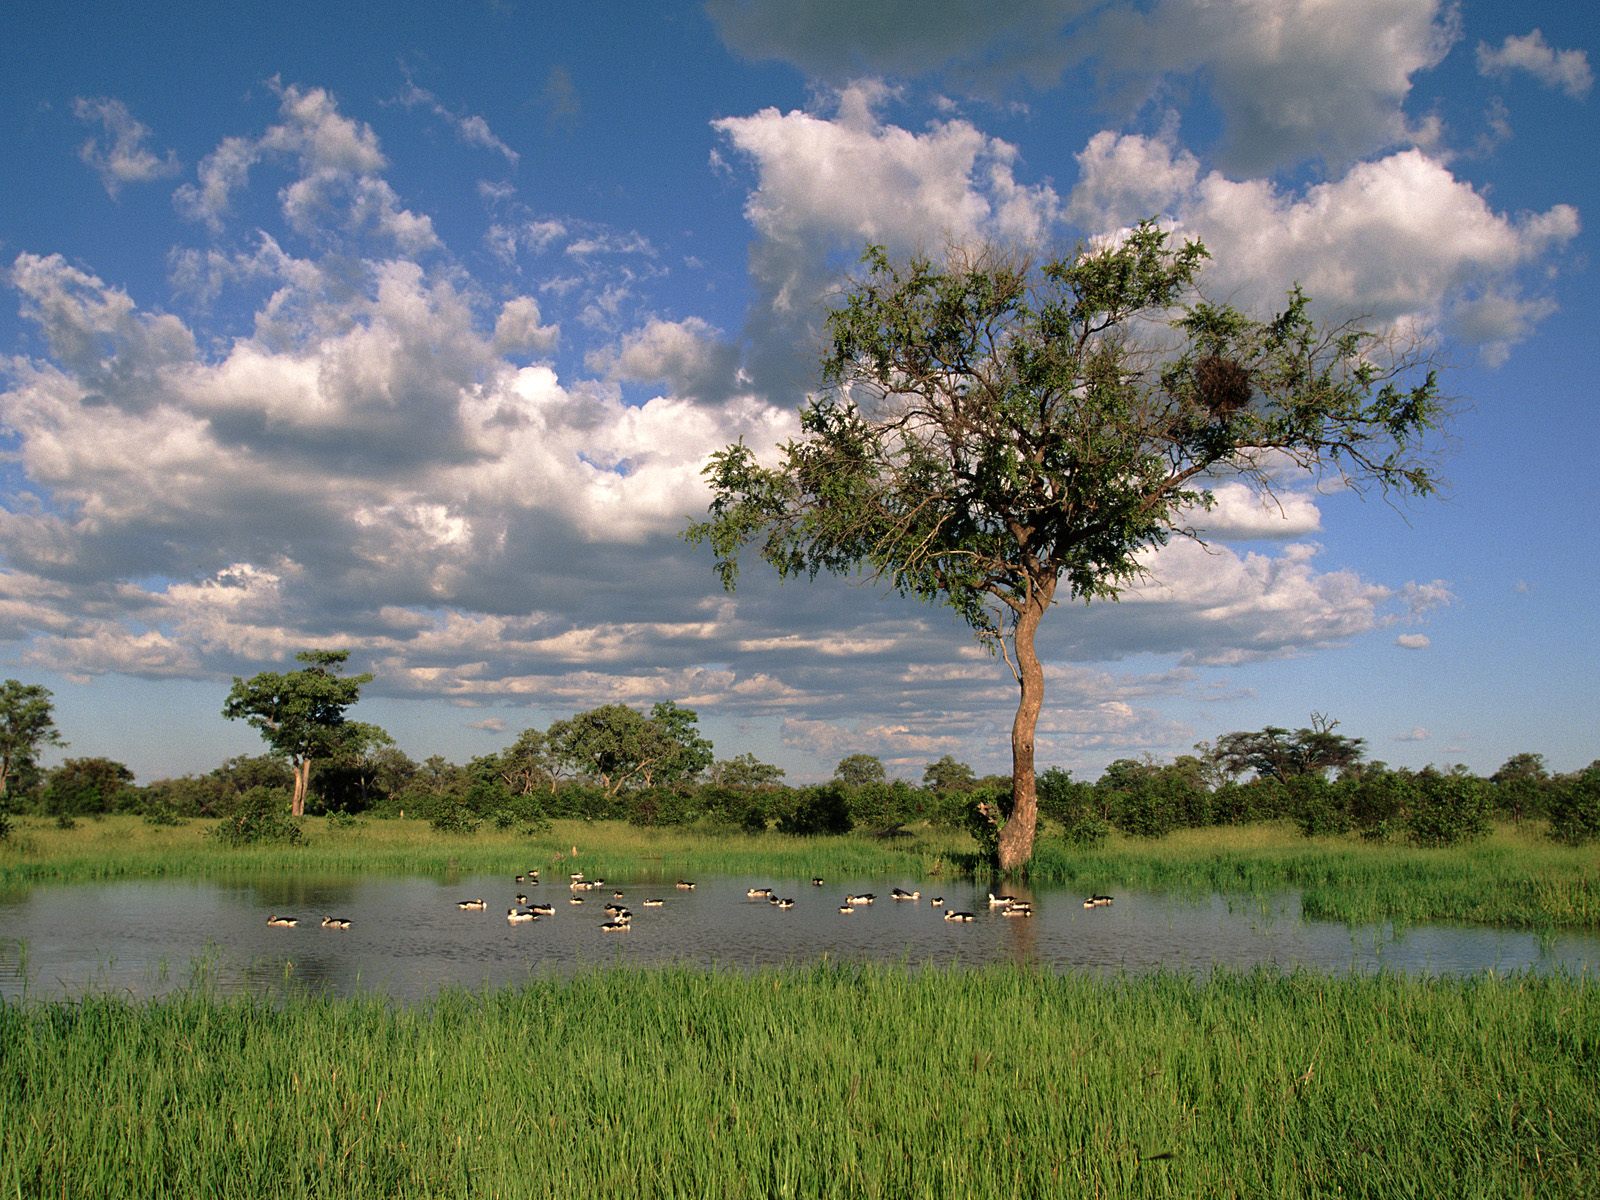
(620, 748)
(858, 770)
(995, 434)
(301, 713)
(27, 725)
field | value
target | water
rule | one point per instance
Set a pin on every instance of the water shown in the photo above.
(408, 939)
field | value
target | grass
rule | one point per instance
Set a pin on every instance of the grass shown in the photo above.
(828, 1081)
(1515, 877)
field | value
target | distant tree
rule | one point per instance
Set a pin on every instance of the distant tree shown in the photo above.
(1575, 806)
(1521, 786)
(527, 766)
(80, 786)
(948, 775)
(1277, 753)
(301, 714)
(997, 433)
(858, 769)
(27, 725)
(619, 747)
(745, 771)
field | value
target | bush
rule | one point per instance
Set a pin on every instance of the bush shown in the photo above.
(1575, 807)
(261, 815)
(1319, 807)
(1086, 831)
(822, 809)
(453, 814)
(1447, 809)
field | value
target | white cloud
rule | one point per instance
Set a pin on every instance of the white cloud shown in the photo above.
(1413, 641)
(1415, 734)
(338, 185)
(126, 159)
(1567, 70)
(1398, 241)
(469, 127)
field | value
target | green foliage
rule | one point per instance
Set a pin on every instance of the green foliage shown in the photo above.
(80, 786)
(301, 714)
(745, 771)
(1073, 805)
(27, 725)
(620, 748)
(948, 775)
(856, 770)
(1575, 807)
(819, 810)
(1276, 753)
(1319, 807)
(1447, 809)
(261, 816)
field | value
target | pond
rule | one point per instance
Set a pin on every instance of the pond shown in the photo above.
(408, 939)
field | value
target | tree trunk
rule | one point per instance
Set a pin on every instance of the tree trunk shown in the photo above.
(302, 782)
(1016, 837)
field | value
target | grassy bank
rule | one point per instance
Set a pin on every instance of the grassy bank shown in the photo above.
(1515, 877)
(820, 1082)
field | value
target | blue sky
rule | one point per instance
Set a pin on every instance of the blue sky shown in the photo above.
(408, 328)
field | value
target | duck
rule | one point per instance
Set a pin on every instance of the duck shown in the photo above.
(471, 904)
(278, 922)
(1017, 910)
(616, 910)
(953, 915)
(847, 907)
(786, 902)
(816, 881)
(654, 903)
(543, 910)
(615, 925)
(1001, 901)
(335, 923)
(517, 915)
(574, 899)
(522, 898)
(758, 893)
(937, 902)
(616, 895)
(575, 876)
(683, 885)
(902, 894)
(1097, 901)
(864, 898)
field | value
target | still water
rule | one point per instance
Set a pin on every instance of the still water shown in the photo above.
(408, 940)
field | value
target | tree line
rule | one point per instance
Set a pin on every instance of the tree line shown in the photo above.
(614, 762)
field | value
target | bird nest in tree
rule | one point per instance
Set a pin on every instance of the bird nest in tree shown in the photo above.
(1221, 385)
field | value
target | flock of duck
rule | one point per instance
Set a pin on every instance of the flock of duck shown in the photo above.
(619, 918)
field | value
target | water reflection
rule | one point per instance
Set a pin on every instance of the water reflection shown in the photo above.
(409, 939)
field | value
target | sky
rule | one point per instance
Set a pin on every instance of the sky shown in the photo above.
(408, 328)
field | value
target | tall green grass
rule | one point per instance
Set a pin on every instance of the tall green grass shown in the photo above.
(829, 1081)
(1514, 877)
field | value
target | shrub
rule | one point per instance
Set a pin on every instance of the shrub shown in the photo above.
(1447, 809)
(261, 815)
(1319, 807)
(453, 814)
(1575, 807)
(822, 809)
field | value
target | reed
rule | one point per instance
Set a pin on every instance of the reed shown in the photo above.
(828, 1081)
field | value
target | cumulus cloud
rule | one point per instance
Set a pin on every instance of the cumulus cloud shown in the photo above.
(123, 156)
(1398, 241)
(338, 185)
(829, 184)
(1291, 79)
(1413, 641)
(1567, 70)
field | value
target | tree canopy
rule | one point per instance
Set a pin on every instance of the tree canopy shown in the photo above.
(991, 429)
(619, 747)
(301, 714)
(27, 725)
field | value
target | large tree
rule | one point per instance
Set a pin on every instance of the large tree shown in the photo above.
(994, 433)
(301, 714)
(620, 748)
(27, 724)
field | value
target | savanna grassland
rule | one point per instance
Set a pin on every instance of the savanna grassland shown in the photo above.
(830, 1080)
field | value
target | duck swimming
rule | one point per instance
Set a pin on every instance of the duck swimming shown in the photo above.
(278, 922)
(335, 923)
(653, 903)
(953, 915)
(1001, 901)
(515, 916)
(471, 904)
(902, 894)
(758, 893)
(683, 885)
(1097, 902)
